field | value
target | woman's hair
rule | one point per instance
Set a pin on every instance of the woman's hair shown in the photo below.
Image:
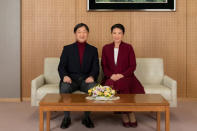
(81, 25)
(119, 26)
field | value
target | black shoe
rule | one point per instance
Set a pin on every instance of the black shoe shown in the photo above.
(65, 123)
(88, 122)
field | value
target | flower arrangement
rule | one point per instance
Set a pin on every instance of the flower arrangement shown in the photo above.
(101, 91)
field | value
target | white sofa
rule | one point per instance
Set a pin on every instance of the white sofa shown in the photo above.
(149, 71)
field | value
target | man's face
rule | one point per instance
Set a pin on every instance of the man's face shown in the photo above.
(81, 34)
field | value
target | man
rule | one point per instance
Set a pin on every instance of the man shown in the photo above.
(78, 70)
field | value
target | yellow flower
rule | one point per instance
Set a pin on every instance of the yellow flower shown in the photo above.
(113, 92)
(90, 91)
(99, 93)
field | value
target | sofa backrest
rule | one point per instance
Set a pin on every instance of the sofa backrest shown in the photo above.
(101, 75)
(148, 71)
(51, 70)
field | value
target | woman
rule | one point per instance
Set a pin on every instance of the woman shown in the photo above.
(119, 64)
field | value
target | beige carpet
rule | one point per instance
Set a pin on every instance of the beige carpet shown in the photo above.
(22, 117)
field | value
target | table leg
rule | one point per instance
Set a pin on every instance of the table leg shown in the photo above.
(167, 119)
(41, 121)
(158, 120)
(48, 120)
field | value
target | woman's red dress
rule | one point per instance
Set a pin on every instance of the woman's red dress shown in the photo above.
(126, 65)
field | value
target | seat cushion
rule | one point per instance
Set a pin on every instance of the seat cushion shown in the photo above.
(46, 89)
(158, 89)
(78, 92)
(51, 89)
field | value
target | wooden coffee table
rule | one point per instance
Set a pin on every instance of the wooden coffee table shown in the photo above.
(127, 102)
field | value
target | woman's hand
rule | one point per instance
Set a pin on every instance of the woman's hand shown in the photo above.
(120, 76)
(116, 77)
(67, 79)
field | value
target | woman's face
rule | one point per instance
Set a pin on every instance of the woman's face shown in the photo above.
(81, 34)
(117, 35)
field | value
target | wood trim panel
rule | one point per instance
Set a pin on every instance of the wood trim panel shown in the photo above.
(10, 100)
(47, 26)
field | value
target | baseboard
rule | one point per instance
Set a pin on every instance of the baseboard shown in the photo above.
(185, 99)
(10, 100)
(26, 99)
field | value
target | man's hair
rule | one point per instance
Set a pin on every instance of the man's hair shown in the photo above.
(79, 26)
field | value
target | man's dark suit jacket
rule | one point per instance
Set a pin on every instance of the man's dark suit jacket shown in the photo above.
(70, 63)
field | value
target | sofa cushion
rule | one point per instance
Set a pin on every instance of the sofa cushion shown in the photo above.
(158, 89)
(149, 70)
(51, 70)
(51, 89)
(47, 89)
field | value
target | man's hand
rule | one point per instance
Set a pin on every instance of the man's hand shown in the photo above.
(67, 80)
(90, 79)
(116, 77)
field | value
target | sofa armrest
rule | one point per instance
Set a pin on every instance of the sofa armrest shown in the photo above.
(172, 84)
(35, 84)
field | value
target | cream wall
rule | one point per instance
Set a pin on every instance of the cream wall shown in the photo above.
(10, 49)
